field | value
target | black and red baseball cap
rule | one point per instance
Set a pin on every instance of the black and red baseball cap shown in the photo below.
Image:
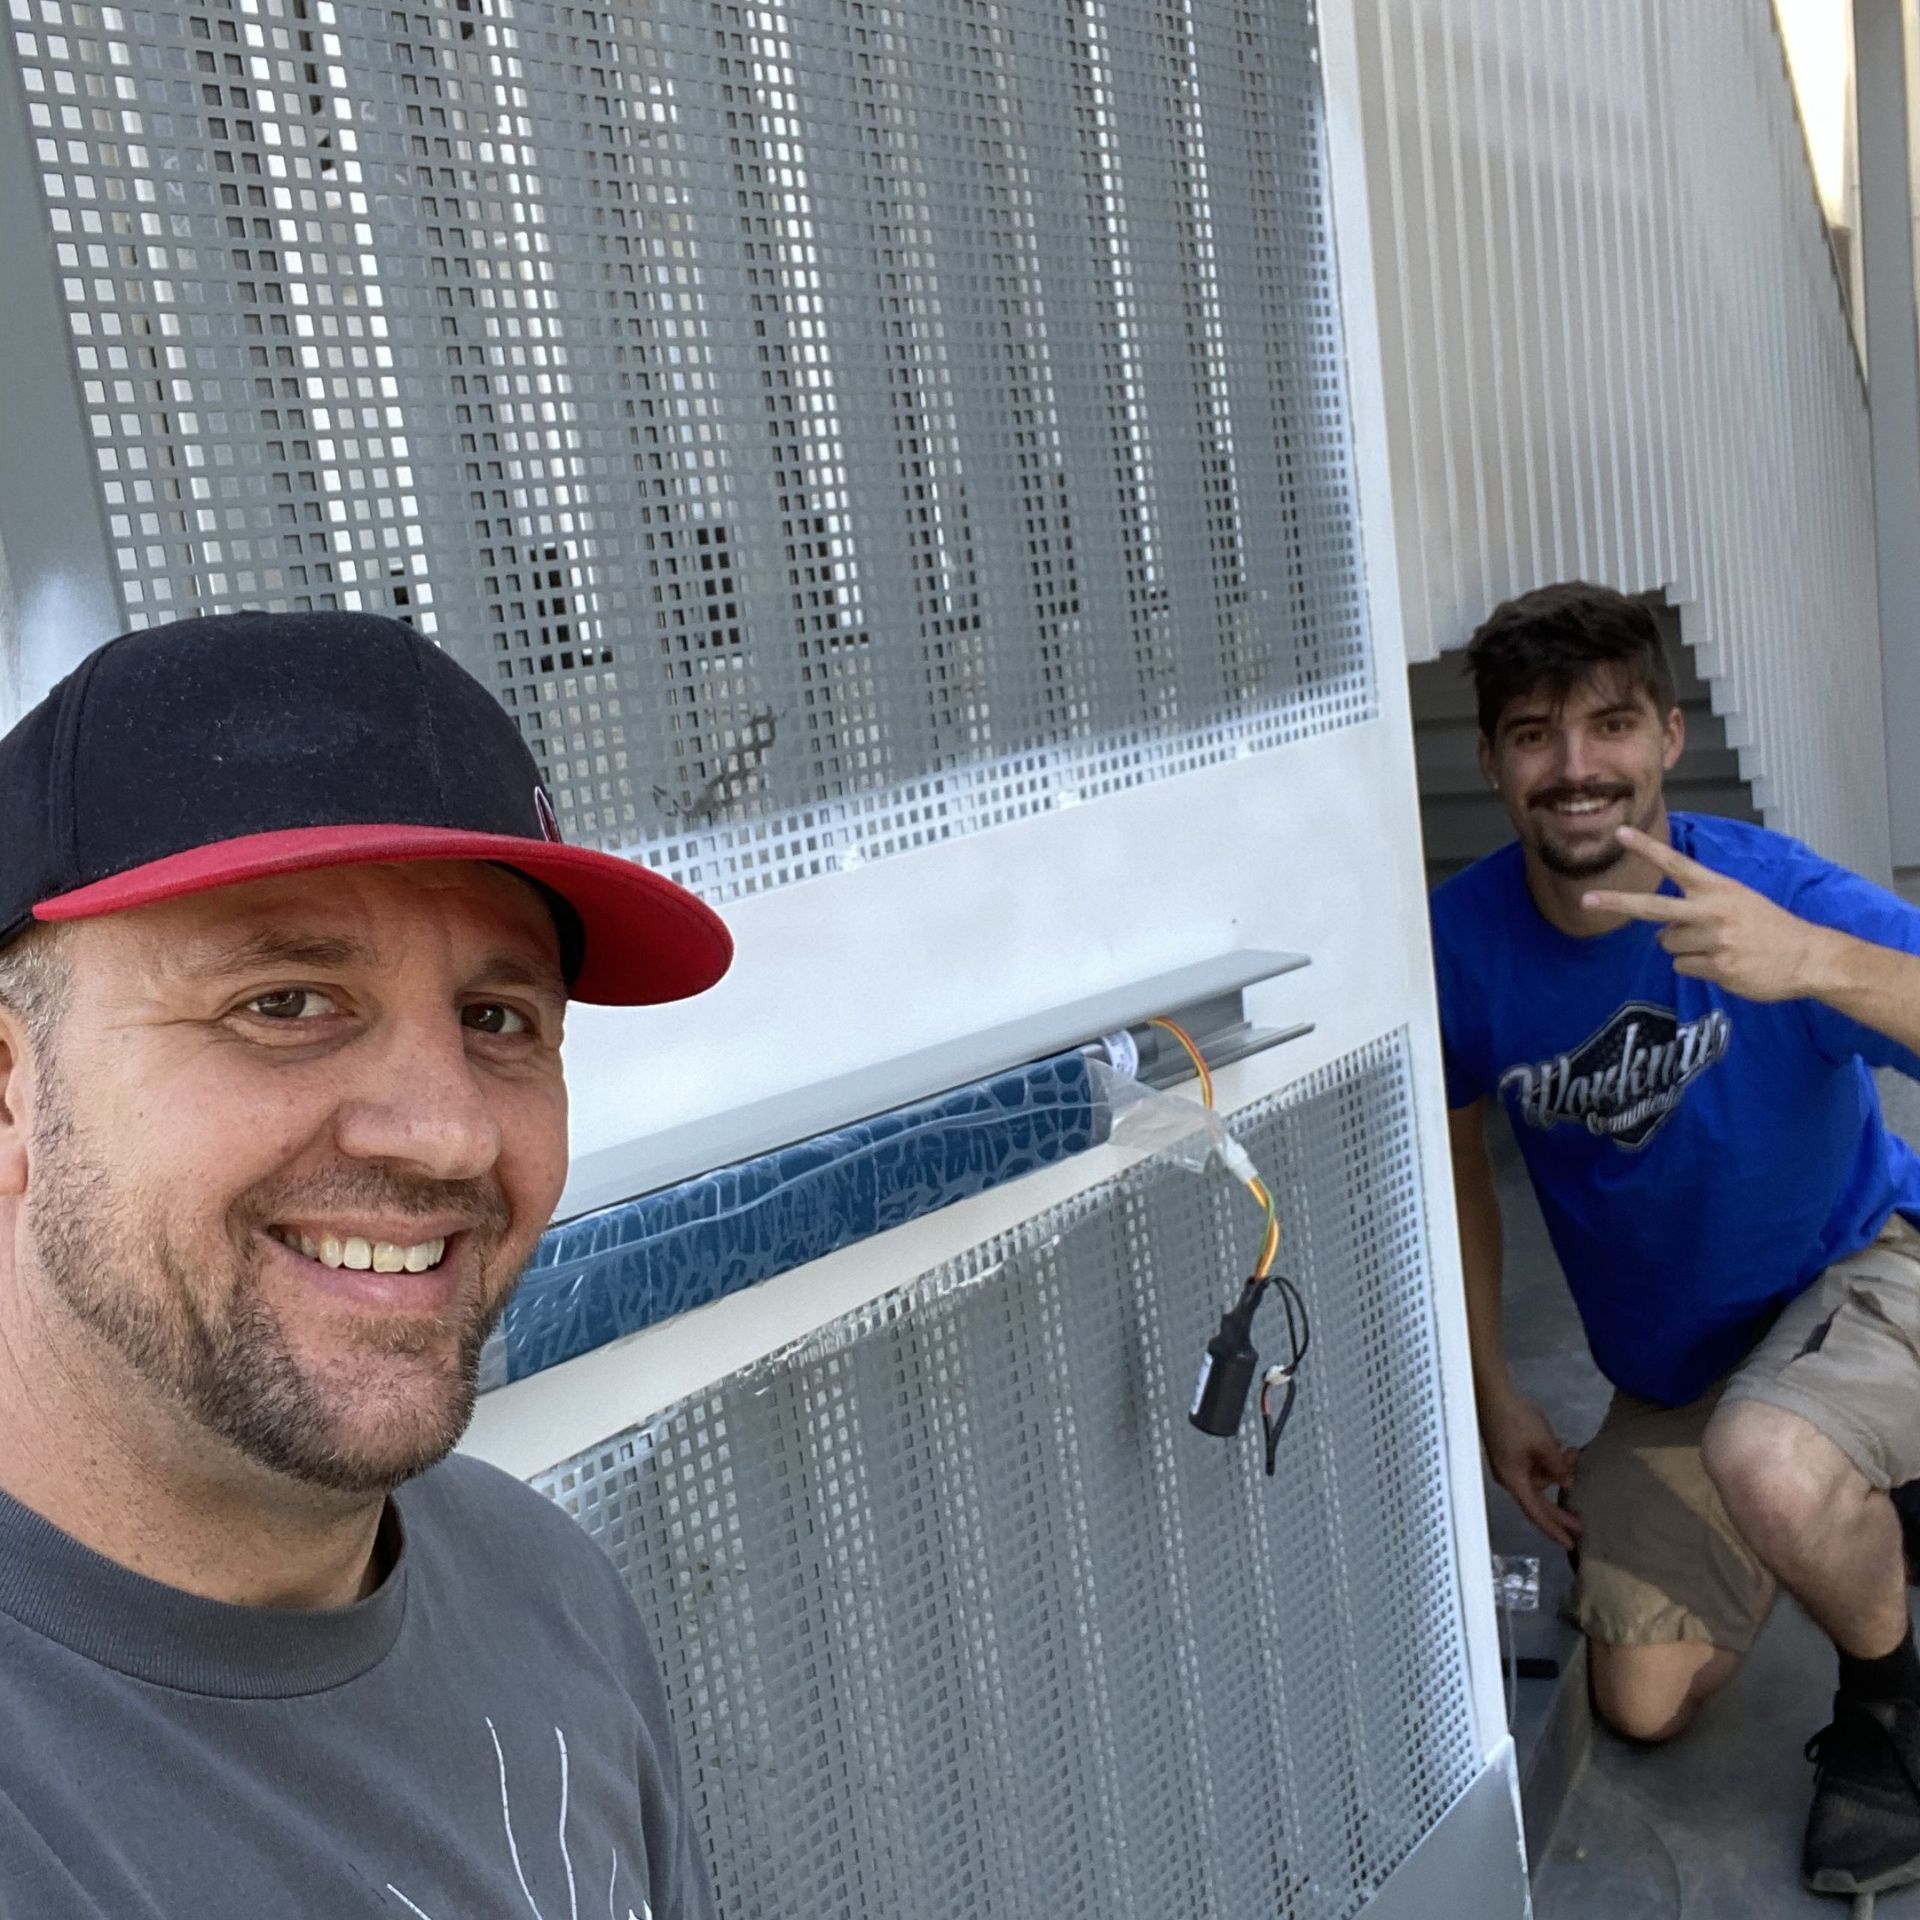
(211, 751)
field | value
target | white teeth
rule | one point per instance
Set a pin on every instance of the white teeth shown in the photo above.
(364, 1255)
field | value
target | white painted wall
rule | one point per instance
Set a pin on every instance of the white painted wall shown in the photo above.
(1615, 347)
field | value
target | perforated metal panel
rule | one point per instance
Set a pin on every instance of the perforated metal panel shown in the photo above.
(828, 426)
(960, 1617)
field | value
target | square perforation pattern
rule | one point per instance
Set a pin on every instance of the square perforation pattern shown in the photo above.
(828, 427)
(960, 1617)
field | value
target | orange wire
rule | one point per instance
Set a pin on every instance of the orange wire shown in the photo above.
(1193, 1053)
(1270, 1242)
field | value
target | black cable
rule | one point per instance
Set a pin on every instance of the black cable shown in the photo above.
(1275, 1423)
(1230, 1364)
(1286, 1373)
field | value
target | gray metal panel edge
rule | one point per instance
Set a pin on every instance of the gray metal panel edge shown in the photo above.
(1472, 1865)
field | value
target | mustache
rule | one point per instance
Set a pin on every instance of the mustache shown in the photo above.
(1557, 796)
(479, 1204)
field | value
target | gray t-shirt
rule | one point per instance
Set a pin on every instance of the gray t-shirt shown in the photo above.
(482, 1738)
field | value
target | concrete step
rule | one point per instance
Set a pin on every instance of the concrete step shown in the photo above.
(1442, 690)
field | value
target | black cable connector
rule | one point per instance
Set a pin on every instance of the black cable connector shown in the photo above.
(1226, 1372)
(1228, 1369)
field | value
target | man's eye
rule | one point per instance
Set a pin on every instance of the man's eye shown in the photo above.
(490, 1017)
(290, 1004)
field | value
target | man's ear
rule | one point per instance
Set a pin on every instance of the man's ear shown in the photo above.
(1676, 739)
(16, 1104)
(1486, 764)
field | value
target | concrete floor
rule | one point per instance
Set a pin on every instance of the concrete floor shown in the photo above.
(1710, 1827)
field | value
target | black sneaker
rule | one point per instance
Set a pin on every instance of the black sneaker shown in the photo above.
(1863, 1835)
(1906, 1503)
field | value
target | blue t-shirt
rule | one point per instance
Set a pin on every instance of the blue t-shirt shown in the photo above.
(1699, 1158)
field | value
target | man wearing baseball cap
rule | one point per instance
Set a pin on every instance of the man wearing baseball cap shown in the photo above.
(286, 940)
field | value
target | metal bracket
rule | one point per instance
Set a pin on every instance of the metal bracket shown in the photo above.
(1205, 996)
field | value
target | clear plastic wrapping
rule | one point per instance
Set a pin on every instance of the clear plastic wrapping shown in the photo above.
(1516, 1582)
(1144, 1119)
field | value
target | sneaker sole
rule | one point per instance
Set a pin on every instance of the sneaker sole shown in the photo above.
(1838, 1880)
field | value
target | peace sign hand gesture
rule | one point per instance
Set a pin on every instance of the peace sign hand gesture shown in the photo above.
(1719, 930)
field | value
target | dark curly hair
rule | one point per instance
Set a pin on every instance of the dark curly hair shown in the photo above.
(1553, 638)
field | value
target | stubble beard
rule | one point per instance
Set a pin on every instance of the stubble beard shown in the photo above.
(1569, 866)
(1603, 859)
(230, 1364)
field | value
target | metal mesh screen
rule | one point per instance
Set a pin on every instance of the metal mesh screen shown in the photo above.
(960, 1617)
(828, 426)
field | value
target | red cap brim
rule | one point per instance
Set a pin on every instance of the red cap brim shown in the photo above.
(647, 940)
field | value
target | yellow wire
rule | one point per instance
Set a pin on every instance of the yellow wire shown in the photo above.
(1270, 1241)
(1193, 1053)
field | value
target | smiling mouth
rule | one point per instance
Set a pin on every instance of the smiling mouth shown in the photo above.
(1580, 807)
(361, 1254)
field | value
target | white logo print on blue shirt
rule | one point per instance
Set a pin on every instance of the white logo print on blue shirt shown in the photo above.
(1625, 1080)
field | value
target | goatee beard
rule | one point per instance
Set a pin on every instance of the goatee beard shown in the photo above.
(1582, 867)
(1603, 859)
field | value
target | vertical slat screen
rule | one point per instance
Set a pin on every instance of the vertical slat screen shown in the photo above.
(1616, 347)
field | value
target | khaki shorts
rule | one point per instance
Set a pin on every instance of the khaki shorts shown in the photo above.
(1660, 1560)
